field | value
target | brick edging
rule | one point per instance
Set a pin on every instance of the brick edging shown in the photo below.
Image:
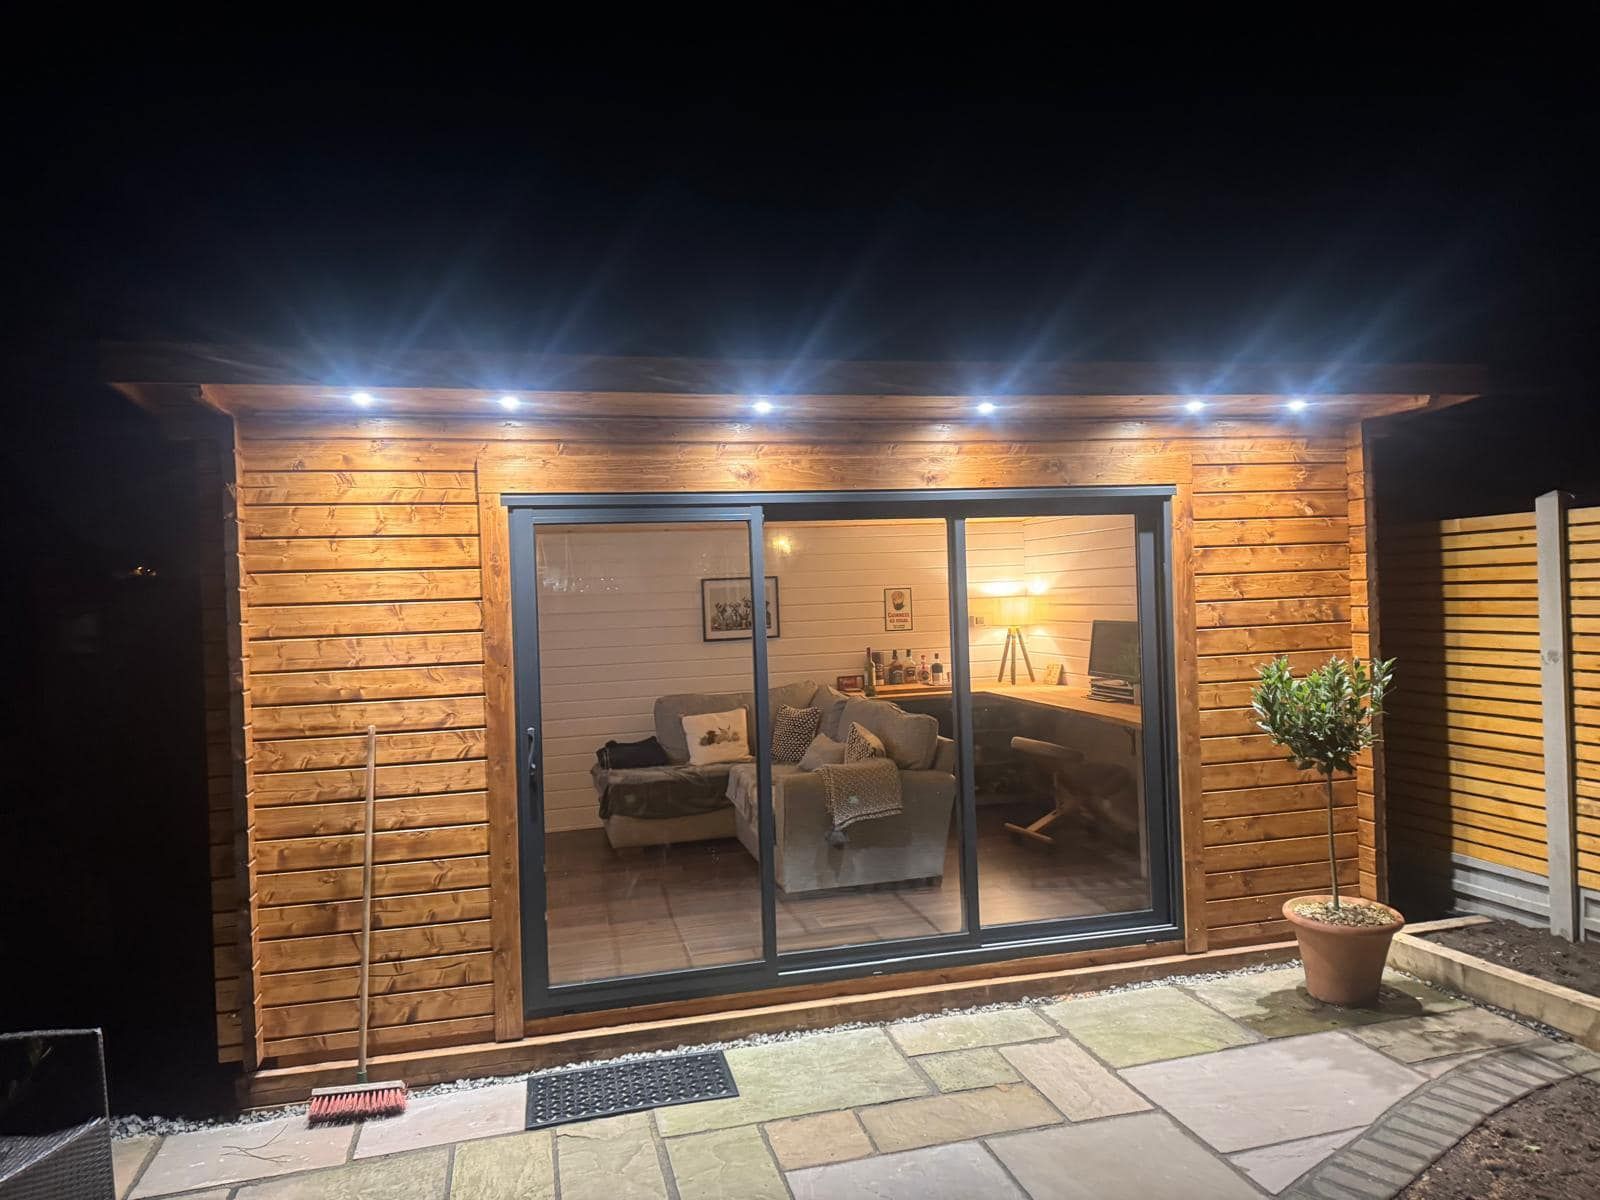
(1407, 1139)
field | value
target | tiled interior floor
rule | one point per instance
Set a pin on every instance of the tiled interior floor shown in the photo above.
(1212, 1090)
(697, 904)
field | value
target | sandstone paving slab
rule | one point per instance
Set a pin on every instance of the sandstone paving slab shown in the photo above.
(521, 1165)
(1070, 1078)
(725, 1164)
(966, 1031)
(817, 1140)
(419, 1176)
(1276, 1004)
(956, 1117)
(1276, 1091)
(127, 1156)
(1417, 1039)
(821, 1073)
(959, 1171)
(614, 1158)
(1144, 1155)
(958, 1070)
(447, 1117)
(1128, 1028)
(1276, 1167)
(234, 1153)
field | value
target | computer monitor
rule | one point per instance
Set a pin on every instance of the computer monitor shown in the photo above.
(1114, 650)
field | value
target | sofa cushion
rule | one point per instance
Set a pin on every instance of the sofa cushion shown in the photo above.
(717, 737)
(822, 751)
(795, 695)
(862, 744)
(671, 710)
(792, 731)
(908, 738)
(831, 702)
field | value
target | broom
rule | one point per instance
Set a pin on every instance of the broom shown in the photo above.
(362, 1099)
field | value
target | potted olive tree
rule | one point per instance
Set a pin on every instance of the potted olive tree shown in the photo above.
(1324, 720)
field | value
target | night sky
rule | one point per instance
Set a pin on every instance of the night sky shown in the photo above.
(362, 197)
(1082, 199)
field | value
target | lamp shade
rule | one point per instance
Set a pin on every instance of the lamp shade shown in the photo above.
(1016, 610)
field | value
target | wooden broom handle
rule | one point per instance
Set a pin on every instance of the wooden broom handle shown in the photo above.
(366, 899)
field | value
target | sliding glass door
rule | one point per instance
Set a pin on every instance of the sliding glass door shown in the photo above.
(781, 738)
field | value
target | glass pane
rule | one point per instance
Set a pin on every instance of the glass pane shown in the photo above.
(647, 711)
(1054, 642)
(865, 852)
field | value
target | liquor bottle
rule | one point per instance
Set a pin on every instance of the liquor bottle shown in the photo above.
(924, 675)
(936, 671)
(896, 673)
(870, 679)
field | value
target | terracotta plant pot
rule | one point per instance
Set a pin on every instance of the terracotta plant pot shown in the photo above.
(1344, 963)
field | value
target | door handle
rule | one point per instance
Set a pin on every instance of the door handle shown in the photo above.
(535, 800)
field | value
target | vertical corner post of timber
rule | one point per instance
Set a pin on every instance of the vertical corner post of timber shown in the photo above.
(1555, 685)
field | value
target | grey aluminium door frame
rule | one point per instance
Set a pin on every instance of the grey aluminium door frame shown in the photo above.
(1162, 920)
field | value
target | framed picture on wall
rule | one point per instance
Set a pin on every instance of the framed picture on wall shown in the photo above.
(897, 609)
(727, 612)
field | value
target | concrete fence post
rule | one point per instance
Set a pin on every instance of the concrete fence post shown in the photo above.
(1555, 680)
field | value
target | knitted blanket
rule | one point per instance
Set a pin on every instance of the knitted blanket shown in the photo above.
(860, 791)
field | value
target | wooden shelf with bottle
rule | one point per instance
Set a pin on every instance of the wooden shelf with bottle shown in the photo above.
(911, 689)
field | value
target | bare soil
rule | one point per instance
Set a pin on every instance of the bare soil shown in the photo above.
(1531, 951)
(1546, 1146)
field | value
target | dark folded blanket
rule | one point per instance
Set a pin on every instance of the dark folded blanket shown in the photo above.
(656, 793)
(860, 791)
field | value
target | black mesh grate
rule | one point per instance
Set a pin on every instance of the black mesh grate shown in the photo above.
(579, 1093)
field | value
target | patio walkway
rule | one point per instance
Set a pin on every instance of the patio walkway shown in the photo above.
(1214, 1090)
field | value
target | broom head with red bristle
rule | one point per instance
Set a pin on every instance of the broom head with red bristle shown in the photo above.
(357, 1102)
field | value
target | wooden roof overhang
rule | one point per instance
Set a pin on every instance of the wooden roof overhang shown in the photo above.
(567, 388)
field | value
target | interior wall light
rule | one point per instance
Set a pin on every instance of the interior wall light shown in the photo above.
(361, 399)
(985, 408)
(1195, 406)
(761, 406)
(510, 403)
(1299, 404)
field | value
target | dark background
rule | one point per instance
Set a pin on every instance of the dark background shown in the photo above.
(359, 199)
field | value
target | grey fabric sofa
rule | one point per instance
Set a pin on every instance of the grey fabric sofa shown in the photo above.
(909, 846)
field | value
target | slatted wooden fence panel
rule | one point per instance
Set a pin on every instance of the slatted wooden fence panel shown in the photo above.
(1583, 586)
(1463, 736)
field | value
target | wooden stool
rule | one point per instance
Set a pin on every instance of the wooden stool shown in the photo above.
(1050, 761)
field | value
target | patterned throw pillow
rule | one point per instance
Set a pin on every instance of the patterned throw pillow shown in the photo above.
(862, 744)
(792, 731)
(716, 737)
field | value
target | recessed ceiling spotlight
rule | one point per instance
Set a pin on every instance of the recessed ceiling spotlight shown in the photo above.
(361, 399)
(1195, 406)
(1298, 404)
(762, 405)
(985, 408)
(510, 403)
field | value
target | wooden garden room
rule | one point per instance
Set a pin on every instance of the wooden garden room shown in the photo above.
(605, 807)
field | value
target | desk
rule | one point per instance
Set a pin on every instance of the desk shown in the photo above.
(1066, 699)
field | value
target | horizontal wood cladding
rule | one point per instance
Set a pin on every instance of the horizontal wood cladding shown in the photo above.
(1272, 568)
(362, 578)
(1463, 755)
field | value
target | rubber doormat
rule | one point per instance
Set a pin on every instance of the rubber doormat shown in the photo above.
(582, 1093)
